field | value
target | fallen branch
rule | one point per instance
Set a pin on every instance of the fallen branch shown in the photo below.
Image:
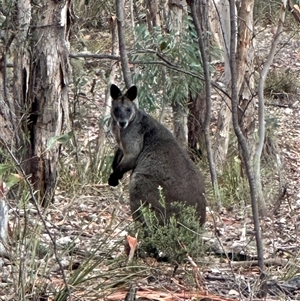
(267, 262)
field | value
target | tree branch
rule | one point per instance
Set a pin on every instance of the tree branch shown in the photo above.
(95, 56)
(165, 62)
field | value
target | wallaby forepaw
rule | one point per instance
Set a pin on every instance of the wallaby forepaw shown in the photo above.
(113, 181)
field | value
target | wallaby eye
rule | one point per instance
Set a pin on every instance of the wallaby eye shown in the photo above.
(128, 110)
(116, 111)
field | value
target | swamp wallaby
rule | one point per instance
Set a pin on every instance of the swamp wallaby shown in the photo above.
(156, 159)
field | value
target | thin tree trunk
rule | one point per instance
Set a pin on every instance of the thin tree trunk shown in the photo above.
(241, 138)
(103, 128)
(197, 103)
(261, 111)
(221, 140)
(220, 22)
(122, 45)
(3, 221)
(207, 84)
(175, 19)
(245, 69)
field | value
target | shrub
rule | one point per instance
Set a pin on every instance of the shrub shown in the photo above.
(174, 238)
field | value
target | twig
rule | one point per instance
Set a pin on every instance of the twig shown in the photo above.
(196, 271)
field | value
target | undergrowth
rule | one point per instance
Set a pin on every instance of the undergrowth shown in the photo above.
(281, 82)
(171, 239)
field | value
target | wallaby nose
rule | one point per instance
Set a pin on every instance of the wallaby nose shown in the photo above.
(122, 124)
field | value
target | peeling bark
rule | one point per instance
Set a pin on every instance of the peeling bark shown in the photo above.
(245, 71)
(220, 22)
(176, 11)
(48, 87)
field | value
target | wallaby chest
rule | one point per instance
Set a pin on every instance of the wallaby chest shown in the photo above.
(129, 137)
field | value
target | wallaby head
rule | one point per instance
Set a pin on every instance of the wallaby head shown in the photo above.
(123, 109)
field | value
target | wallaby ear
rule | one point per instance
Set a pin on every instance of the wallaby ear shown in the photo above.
(115, 91)
(131, 93)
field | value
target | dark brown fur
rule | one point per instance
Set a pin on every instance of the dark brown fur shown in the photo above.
(151, 152)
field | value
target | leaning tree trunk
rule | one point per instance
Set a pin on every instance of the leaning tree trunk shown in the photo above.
(44, 91)
(245, 85)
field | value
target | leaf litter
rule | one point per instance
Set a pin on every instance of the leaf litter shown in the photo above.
(90, 229)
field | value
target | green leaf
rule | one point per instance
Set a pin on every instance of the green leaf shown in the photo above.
(59, 139)
(12, 180)
(4, 168)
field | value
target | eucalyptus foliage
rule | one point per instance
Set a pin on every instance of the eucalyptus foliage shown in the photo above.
(158, 84)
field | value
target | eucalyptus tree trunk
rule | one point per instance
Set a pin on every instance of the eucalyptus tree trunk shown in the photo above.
(197, 104)
(196, 118)
(241, 138)
(203, 47)
(261, 109)
(153, 18)
(103, 127)
(41, 72)
(122, 44)
(220, 24)
(175, 21)
(20, 74)
(245, 71)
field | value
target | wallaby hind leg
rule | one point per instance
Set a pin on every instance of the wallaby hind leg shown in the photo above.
(143, 191)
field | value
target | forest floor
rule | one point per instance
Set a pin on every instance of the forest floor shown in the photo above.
(89, 219)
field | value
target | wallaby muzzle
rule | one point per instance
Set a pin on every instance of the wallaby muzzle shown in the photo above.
(123, 124)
